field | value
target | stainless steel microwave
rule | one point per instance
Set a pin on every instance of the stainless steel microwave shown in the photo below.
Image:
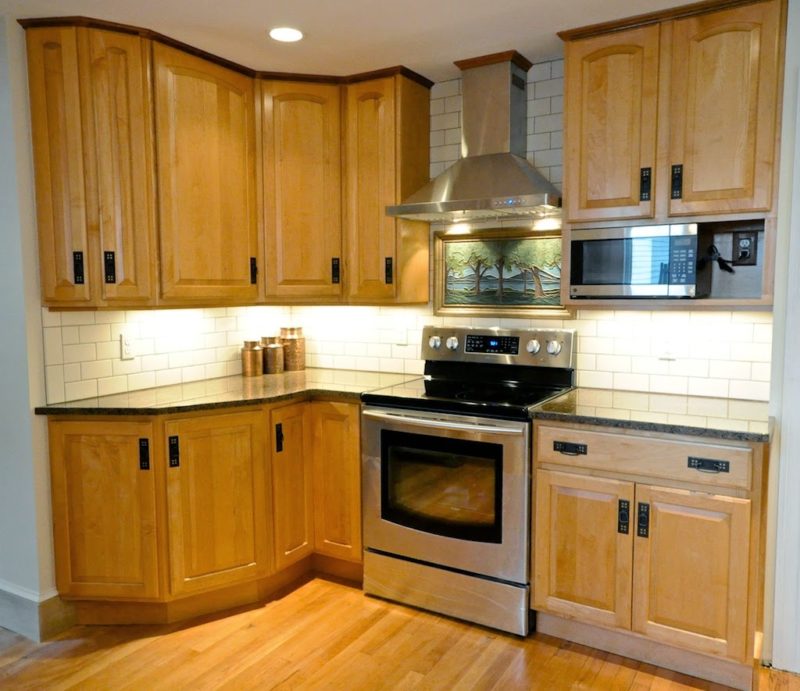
(634, 262)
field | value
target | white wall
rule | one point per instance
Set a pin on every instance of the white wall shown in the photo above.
(26, 565)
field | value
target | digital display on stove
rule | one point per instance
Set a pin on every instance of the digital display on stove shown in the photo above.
(502, 345)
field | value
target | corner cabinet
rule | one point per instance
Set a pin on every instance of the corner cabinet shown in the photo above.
(206, 146)
(673, 118)
(386, 159)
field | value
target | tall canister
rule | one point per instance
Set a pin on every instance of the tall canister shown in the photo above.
(252, 359)
(294, 348)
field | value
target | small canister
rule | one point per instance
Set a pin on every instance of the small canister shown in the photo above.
(294, 345)
(268, 341)
(252, 359)
(273, 358)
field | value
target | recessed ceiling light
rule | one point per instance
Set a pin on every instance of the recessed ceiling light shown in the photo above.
(285, 34)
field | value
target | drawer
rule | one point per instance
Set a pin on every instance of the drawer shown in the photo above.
(635, 454)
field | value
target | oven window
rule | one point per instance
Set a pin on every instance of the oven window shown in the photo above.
(449, 487)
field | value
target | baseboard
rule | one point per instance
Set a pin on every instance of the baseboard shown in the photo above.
(35, 620)
(338, 569)
(737, 675)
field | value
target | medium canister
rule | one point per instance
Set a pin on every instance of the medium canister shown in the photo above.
(252, 359)
(273, 358)
(294, 348)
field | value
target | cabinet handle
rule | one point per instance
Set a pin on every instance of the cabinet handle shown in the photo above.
(253, 270)
(77, 268)
(677, 181)
(174, 452)
(643, 520)
(568, 448)
(388, 270)
(623, 516)
(144, 454)
(708, 465)
(110, 267)
(645, 181)
(335, 270)
(279, 437)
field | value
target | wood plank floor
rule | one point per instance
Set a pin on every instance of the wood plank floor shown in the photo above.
(325, 635)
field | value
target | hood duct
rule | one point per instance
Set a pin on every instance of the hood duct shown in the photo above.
(493, 179)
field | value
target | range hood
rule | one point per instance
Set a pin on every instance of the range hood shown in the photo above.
(493, 179)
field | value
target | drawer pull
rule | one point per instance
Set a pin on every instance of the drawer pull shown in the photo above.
(708, 465)
(643, 520)
(569, 448)
(623, 516)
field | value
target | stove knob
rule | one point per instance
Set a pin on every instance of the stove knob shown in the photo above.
(452, 343)
(435, 342)
(533, 346)
(553, 347)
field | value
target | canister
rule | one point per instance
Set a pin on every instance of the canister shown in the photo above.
(252, 359)
(273, 358)
(294, 348)
(267, 341)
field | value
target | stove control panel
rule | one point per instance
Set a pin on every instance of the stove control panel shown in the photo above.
(534, 347)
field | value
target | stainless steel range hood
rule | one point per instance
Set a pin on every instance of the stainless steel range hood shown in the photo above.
(493, 179)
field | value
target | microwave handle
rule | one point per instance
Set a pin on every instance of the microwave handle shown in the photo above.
(442, 424)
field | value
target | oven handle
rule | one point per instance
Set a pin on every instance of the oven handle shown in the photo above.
(441, 424)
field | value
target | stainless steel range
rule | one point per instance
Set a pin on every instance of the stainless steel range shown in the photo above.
(446, 472)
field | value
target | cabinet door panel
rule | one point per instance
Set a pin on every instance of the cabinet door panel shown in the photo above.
(337, 480)
(53, 76)
(691, 573)
(104, 510)
(119, 172)
(610, 124)
(291, 486)
(582, 564)
(723, 114)
(205, 133)
(371, 179)
(302, 188)
(215, 501)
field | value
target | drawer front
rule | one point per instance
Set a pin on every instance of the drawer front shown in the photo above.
(718, 465)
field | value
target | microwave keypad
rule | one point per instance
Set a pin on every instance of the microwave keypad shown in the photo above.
(683, 256)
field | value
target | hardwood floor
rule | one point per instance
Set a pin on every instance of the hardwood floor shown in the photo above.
(326, 635)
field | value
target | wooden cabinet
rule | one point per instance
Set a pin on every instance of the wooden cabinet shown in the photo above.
(215, 500)
(677, 118)
(291, 485)
(620, 544)
(103, 480)
(93, 155)
(386, 159)
(301, 127)
(335, 450)
(205, 127)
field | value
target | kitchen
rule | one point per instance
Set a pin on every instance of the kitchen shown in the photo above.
(745, 335)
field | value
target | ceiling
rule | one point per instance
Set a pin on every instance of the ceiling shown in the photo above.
(351, 36)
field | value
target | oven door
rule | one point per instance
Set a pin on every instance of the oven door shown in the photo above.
(448, 490)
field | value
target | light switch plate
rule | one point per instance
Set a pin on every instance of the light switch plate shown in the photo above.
(125, 347)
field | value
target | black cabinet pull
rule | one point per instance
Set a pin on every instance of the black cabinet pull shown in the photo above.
(568, 448)
(144, 454)
(253, 270)
(279, 437)
(335, 270)
(677, 182)
(77, 268)
(174, 452)
(623, 516)
(708, 465)
(109, 267)
(643, 522)
(645, 183)
(388, 270)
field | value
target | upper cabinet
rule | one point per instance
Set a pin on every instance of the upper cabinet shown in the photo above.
(301, 126)
(673, 118)
(91, 119)
(206, 145)
(386, 159)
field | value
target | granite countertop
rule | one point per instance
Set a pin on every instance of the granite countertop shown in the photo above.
(719, 418)
(233, 391)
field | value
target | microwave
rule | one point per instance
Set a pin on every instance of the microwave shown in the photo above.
(634, 262)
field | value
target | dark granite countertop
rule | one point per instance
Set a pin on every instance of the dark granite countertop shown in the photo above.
(233, 391)
(719, 418)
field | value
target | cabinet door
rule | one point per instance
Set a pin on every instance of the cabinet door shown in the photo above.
(205, 136)
(583, 548)
(370, 131)
(302, 189)
(65, 266)
(116, 89)
(691, 571)
(291, 485)
(215, 500)
(610, 125)
(723, 116)
(104, 509)
(337, 479)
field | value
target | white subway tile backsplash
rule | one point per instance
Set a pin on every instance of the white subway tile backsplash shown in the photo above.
(72, 372)
(54, 383)
(53, 353)
(452, 87)
(50, 318)
(142, 380)
(96, 370)
(548, 88)
(77, 318)
(75, 391)
(94, 333)
(750, 390)
(80, 353)
(70, 335)
(445, 121)
(112, 385)
(671, 384)
(540, 72)
(168, 377)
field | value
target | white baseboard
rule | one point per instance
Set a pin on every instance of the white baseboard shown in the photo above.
(34, 619)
